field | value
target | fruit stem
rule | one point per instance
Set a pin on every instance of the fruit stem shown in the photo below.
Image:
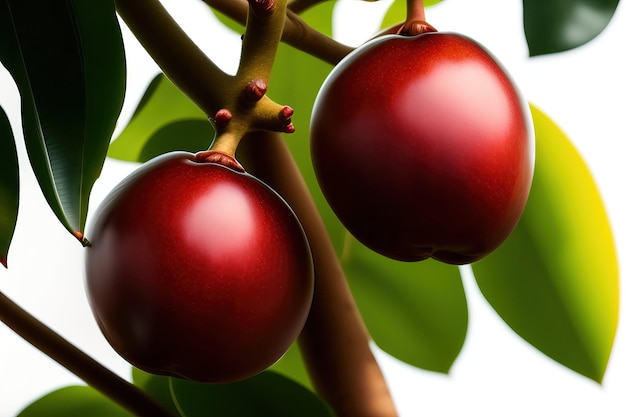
(76, 361)
(415, 10)
(335, 343)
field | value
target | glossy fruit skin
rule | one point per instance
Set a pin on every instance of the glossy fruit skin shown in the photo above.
(198, 270)
(423, 147)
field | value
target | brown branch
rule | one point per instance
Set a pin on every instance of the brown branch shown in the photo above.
(299, 6)
(202, 80)
(80, 364)
(296, 33)
(335, 342)
(235, 103)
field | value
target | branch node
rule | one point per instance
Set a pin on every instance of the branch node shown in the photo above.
(285, 116)
(255, 90)
(222, 117)
(262, 8)
(286, 113)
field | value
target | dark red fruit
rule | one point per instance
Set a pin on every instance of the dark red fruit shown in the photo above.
(199, 270)
(423, 147)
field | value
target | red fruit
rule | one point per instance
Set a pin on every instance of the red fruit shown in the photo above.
(199, 270)
(423, 147)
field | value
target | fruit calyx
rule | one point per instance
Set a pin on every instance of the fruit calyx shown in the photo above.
(415, 27)
(218, 157)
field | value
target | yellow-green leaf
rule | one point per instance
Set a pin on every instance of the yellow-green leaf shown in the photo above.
(555, 279)
(415, 311)
(74, 401)
(165, 120)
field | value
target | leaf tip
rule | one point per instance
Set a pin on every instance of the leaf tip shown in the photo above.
(3, 261)
(81, 238)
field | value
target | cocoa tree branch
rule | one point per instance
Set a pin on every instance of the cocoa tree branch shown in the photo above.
(302, 36)
(296, 33)
(299, 6)
(177, 55)
(335, 343)
(76, 361)
(236, 103)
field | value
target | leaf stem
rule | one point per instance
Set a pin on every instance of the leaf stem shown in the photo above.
(76, 361)
(335, 343)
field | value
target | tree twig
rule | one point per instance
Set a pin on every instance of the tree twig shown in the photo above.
(299, 6)
(296, 33)
(169, 45)
(76, 361)
(235, 103)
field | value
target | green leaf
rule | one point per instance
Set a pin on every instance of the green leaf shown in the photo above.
(228, 22)
(292, 366)
(165, 120)
(157, 386)
(67, 59)
(267, 394)
(396, 13)
(555, 279)
(9, 186)
(320, 17)
(74, 401)
(300, 78)
(560, 25)
(415, 311)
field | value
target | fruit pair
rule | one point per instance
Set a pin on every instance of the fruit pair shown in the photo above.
(421, 144)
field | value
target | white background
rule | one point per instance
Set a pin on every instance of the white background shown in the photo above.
(497, 373)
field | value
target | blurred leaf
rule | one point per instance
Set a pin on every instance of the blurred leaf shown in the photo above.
(267, 394)
(320, 17)
(228, 22)
(67, 60)
(292, 366)
(74, 401)
(415, 311)
(157, 386)
(300, 78)
(165, 120)
(555, 279)
(559, 25)
(396, 13)
(9, 186)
